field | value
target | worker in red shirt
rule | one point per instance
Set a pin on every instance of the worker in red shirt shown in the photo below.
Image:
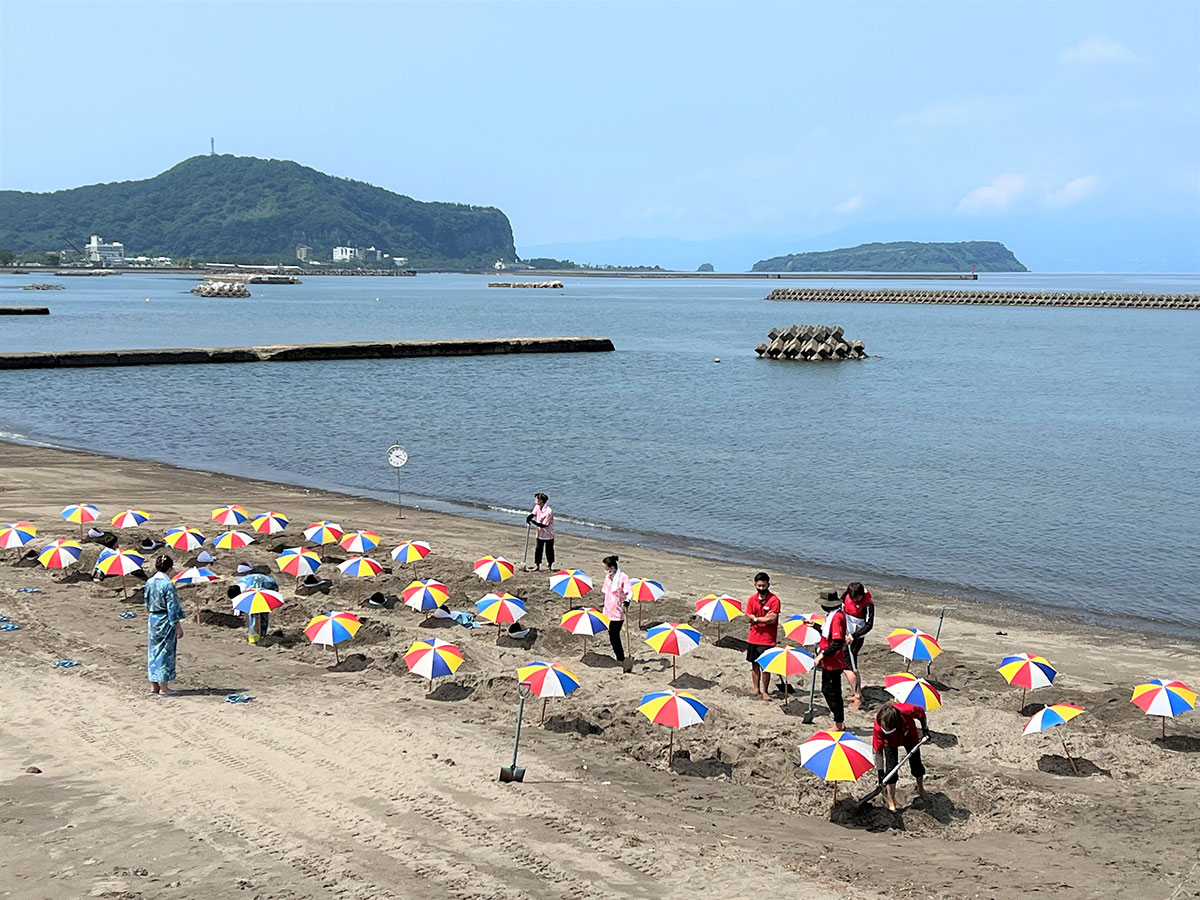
(896, 727)
(831, 657)
(860, 618)
(762, 610)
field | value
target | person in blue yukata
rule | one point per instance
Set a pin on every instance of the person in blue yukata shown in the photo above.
(256, 625)
(164, 627)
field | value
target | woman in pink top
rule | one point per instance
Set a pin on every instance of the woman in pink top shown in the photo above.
(543, 517)
(617, 594)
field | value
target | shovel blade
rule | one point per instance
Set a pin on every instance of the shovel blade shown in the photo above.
(512, 773)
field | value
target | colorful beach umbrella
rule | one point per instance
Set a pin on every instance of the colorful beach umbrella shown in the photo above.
(643, 590)
(359, 567)
(908, 688)
(433, 659)
(331, 628)
(585, 622)
(119, 562)
(673, 639)
(493, 568)
(675, 709)
(18, 534)
(570, 583)
(298, 561)
(181, 537)
(256, 602)
(269, 523)
(360, 541)
(500, 608)
(195, 575)
(60, 553)
(837, 756)
(233, 540)
(1163, 698)
(1027, 672)
(81, 514)
(324, 532)
(804, 630)
(131, 518)
(411, 552)
(547, 680)
(1049, 717)
(718, 608)
(424, 596)
(230, 515)
(913, 644)
(785, 662)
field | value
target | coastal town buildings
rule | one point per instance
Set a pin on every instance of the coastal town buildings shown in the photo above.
(112, 254)
(347, 254)
(302, 251)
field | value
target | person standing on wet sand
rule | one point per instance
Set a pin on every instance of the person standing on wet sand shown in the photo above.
(762, 611)
(831, 657)
(617, 594)
(543, 517)
(164, 627)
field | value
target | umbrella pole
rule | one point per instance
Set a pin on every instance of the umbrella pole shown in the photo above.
(124, 593)
(543, 719)
(1164, 721)
(671, 749)
(337, 657)
(584, 647)
(672, 668)
(835, 787)
(1070, 759)
(907, 666)
(1022, 698)
(639, 616)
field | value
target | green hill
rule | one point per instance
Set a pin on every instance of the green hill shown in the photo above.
(254, 210)
(901, 256)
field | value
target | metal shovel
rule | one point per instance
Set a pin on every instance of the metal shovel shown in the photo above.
(515, 772)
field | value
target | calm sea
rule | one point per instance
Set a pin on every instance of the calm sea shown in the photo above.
(1049, 456)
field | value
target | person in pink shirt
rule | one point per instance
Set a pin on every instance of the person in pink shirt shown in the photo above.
(543, 517)
(762, 611)
(617, 594)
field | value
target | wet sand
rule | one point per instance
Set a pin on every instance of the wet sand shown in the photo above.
(355, 781)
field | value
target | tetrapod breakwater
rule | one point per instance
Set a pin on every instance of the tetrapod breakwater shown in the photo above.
(810, 343)
(989, 298)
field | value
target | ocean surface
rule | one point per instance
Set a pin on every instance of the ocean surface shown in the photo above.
(1034, 455)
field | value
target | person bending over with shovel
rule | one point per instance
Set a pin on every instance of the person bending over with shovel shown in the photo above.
(896, 727)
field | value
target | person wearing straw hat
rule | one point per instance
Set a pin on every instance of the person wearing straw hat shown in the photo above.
(896, 727)
(762, 611)
(543, 517)
(831, 657)
(860, 619)
(164, 627)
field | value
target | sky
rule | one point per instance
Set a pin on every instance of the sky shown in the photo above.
(720, 132)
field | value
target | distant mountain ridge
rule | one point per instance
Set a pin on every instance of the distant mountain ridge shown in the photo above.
(900, 256)
(247, 209)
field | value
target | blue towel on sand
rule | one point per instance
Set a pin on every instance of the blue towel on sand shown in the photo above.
(238, 698)
(65, 664)
(128, 614)
(466, 619)
(3, 618)
(10, 626)
(28, 591)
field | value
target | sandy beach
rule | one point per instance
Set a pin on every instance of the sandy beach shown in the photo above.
(356, 781)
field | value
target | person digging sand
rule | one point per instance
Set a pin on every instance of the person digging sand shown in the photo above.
(896, 727)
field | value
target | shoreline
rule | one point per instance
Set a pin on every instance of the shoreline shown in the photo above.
(988, 607)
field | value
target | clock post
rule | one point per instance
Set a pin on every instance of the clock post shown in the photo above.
(397, 456)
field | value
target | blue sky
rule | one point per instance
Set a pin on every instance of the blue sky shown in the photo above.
(722, 131)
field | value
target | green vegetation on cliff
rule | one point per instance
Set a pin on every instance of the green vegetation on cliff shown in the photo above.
(245, 209)
(901, 256)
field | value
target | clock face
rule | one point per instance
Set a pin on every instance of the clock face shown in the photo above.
(397, 456)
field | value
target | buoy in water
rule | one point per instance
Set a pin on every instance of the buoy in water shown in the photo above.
(717, 360)
(147, 299)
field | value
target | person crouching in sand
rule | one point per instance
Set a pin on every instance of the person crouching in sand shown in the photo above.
(896, 727)
(832, 658)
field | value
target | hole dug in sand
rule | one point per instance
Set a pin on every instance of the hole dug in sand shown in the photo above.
(355, 662)
(577, 724)
(1060, 765)
(713, 767)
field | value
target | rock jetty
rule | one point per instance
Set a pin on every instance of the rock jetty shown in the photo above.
(24, 311)
(222, 289)
(526, 284)
(989, 298)
(42, 287)
(810, 343)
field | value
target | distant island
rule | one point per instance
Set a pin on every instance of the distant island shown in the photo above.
(900, 256)
(244, 209)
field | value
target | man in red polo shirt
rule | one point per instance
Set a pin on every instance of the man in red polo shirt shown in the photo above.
(896, 727)
(762, 609)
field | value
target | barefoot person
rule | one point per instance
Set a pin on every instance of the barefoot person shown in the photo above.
(860, 619)
(164, 627)
(543, 517)
(762, 610)
(617, 594)
(896, 727)
(831, 657)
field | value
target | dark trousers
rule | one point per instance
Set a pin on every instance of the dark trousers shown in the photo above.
(544, 546)
(891, 756)
(831, 690)
(614, 637)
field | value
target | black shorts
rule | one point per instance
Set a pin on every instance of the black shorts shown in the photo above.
(754, 651)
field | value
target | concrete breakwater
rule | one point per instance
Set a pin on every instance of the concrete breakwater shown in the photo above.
(304, 352)
(526, 284)
(810, 343)
(222, 289)
(989, 298)
(24, 311)
(37, 286)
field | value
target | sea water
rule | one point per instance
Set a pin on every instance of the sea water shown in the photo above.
(1041, 455)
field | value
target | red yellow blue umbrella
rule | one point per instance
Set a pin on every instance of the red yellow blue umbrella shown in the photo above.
(804, 630)
(785, 662)
(500, 608)
(1051, 716)
(1163, 698)
(60, 553)
(570, 583)
(233, 540)
(256, 602)
(230, 515)
(424, 596)
(194, 576)
(298, 561)
(330, 629)
(433, 659)
(130, 518)
(80, 513)
(411, 552)
(119, 562)
(585, 623)
(183, 538)
(360, 541)
(1027, 672)
(913, 644)
(718, 608)
(547, 680)
(836, 756)
(908, 688)
(674, 639)
(324, 532)
(675, 709)
(643, 590)
(18, 534)
(359, 567)
(493, 568)
(269, 523)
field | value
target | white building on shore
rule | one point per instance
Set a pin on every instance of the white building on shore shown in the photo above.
(107, 254)
(347, 254)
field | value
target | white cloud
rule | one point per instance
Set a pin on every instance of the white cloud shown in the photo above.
(848, 206)
(995, 196)
(1073, 191)
(1100, 49)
